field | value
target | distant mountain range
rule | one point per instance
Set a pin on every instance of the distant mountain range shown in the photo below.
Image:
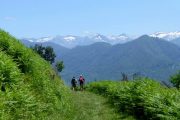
(71, 41)
(150, 56)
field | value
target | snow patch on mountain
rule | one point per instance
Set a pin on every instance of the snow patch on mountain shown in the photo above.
(31, 40)
(118, 37)
(69, 38)
(122, 38)
(44, 39)
(166, 35)
(98, 38)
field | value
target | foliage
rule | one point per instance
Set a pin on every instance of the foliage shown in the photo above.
(31, 88)
(175, 80)
(59, 66)
(146, 99)
(45, 52)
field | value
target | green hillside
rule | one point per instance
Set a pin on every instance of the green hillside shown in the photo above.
(29, 86)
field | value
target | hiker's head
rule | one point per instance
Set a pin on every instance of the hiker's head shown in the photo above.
(73, 77)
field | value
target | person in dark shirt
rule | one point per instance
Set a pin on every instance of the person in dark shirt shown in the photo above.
(74, 83)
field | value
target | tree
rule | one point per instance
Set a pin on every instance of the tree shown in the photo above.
(45, 52)
(39, 49)
(49, 54)
(175, 80)
(59, 66)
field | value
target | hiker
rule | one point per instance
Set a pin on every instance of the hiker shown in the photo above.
(81, 82)
(73, 83)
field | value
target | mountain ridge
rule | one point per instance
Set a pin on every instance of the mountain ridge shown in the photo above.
(71, 41)
(150, 56)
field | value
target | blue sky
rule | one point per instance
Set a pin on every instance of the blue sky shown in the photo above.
(38, 18)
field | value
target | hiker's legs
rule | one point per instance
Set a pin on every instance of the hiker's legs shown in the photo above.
(73, 88)
(81, 86)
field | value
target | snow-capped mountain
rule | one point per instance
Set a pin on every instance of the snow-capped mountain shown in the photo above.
(122, 38)
(45, 39)
(71, 41)
(166, 35)
(40, 40)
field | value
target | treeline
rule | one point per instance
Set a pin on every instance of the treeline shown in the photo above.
(144, 98)
(49, 55)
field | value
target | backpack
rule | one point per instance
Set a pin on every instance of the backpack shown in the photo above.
(73, 81)
(81, 79)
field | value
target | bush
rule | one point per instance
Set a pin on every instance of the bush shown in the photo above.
(145, 99)
(175, 80)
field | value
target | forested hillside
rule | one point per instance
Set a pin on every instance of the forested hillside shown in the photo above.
(151, 57)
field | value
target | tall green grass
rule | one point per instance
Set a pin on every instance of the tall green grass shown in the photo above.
(145, 99)
(33, 90)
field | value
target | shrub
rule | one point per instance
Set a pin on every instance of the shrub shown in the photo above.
(145, 98)
(175, 80)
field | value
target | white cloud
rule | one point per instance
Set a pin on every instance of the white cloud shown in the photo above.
(9, 18)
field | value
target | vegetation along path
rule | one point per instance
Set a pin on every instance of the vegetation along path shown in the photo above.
(90, 106)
